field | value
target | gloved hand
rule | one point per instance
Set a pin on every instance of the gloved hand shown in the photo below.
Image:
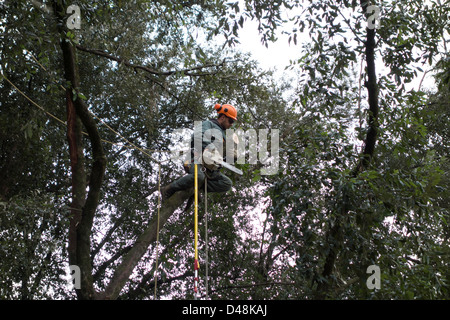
(211, 158)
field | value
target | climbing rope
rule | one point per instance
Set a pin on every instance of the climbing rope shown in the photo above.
(130, 146)
(206, 237)
(196, 264)
(133, 146)
(34, 103)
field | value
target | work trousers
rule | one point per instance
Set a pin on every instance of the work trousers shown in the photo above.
(217, 182)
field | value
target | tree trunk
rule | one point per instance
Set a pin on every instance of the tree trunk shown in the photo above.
(335, 235)
(83, 206)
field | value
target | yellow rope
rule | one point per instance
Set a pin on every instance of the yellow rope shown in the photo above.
(133, 146)
(29, 99)
(196, 264)
(196, 212)
(93, 115)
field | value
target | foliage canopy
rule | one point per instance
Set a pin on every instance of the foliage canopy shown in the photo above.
(364, 142)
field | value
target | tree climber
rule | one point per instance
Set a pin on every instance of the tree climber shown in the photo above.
(212, 138)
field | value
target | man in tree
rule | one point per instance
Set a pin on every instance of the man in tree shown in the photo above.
(210, 136)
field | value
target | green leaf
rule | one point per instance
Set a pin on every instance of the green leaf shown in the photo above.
(409, 295)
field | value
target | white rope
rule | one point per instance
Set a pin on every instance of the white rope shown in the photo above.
(206, 235)
(157, 227)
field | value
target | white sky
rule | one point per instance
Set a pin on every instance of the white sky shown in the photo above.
(279, 53)
(276, 55)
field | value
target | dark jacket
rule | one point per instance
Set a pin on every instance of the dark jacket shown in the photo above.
(211, 132)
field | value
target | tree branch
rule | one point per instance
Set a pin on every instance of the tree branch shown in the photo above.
(140, 288)
(188, 71)
(81, 227)
(244, 286)
(335, 234)
(180, 236)
(124, 270)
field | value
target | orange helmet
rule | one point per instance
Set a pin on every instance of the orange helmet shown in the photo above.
(227, 109)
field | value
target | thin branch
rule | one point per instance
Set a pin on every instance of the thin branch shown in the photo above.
(141, 287)
(188, 71)
(107, 237)
(347, 21)
(102, 268)
(244, 286)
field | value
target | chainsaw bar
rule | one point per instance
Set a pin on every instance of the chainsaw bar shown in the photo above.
(231, 168)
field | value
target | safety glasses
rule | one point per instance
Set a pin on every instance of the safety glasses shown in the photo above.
(231, 121)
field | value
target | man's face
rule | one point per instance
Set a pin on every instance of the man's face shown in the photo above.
(227, 122)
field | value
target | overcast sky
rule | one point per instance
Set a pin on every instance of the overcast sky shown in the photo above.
(277, 55)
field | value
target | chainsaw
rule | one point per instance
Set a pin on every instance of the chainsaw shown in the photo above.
(213, 161)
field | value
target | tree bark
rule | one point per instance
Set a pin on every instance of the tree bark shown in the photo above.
(83, 208)
(84, 205)
(78, 175)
